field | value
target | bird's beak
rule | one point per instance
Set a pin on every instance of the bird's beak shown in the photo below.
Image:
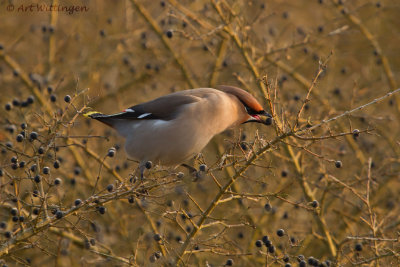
(264, 118)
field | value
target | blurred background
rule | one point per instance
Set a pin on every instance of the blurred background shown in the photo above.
(335, 198)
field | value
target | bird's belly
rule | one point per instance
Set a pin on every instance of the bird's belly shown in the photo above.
(163, 144)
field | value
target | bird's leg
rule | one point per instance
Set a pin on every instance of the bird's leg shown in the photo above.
(197, 174)
(142, 168)
(144, 165)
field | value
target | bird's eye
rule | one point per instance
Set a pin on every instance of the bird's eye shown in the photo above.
(251, 111)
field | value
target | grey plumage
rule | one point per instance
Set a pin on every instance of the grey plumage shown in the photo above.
(170, 129)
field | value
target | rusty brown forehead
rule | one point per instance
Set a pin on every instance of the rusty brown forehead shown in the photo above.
(243, 96)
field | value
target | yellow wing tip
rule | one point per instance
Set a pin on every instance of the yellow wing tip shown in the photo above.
(87, 114)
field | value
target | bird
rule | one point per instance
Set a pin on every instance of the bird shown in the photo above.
(175, 127)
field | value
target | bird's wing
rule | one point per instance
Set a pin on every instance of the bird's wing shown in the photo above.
(162, 108)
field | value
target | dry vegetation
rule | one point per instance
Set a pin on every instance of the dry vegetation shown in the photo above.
(323, 181)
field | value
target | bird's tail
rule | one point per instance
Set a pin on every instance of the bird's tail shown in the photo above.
(93, 114)
(98, 116)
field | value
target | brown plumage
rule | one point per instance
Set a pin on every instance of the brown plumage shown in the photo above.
(170, 129)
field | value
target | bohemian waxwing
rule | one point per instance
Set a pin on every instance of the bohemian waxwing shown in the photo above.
(170, 129)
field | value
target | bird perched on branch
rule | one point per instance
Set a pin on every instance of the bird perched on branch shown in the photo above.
(170, 129)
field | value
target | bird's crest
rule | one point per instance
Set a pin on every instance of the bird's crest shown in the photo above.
(245, 97)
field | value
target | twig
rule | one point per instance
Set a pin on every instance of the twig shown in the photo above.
(220, 194)
(146, 15)
(373, 41)
(379, 99)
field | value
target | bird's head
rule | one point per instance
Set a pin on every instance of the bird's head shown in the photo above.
(253, 109)
(260, 116)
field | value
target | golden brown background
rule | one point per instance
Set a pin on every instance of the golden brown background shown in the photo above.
(127, 52)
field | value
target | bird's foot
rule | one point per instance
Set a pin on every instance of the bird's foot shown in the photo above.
(192, 170)
(197, 174)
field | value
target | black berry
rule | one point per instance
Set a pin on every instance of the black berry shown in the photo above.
(67, 98)
(110, 188)
(268, 121)
(111, 152)
(8, 234)
(8, 106)
(148, 165)
(20, 138)
(33, 167)
(102, 210)
(37, 178)
(46, 170)
(358, 247)
(53, 98)
(271, 249)
(14, 159)
(30, 99)
(286, 258)
(77, 202)
(33, 135)
(13, 211)
(356, 133)
(59, 214)
(338, 164)
(16, 102)
(280, 232)
(157, 237)
(229, 262)
(311, 260)
(77, 170)
(203, 167)
(56, 164)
